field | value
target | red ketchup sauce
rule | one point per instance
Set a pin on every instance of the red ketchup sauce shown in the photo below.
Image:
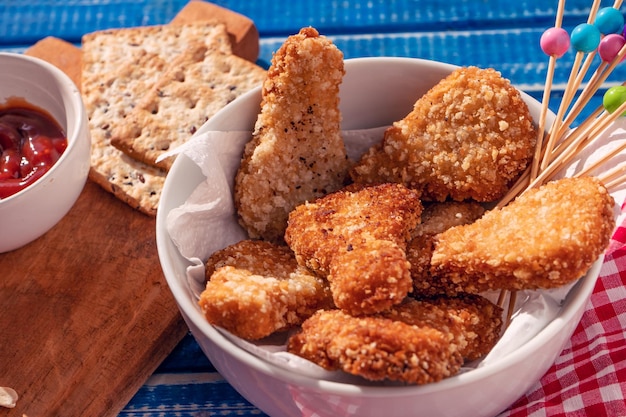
(31, 141)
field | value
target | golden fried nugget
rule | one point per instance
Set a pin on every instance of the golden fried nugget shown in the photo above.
(257, 288)
(474, 321)
(370, 277)
(417, 341)
(357, 237)
(376, 348)
(436, 218)
(296, 153)
(259, 257)
(468, 137)
(547, 237)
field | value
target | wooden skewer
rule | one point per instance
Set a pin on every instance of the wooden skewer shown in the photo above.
(602, 160)
(501, 298)
(581, 75)
(556, 126)
(576, 139)
(604, 121)
(592, 85)
(601, 124)
(616, 182)
(563, 153)
(583, 138)
(520, 185)
(588, 91)
(546, 96)
(568, 93)
(568, 139)
(612, 173)
(542, 117)
(511, 307)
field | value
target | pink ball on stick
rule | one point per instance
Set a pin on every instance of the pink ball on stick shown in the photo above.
(555, 42)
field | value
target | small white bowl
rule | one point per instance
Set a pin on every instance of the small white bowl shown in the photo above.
(33, 211)
(375, 92)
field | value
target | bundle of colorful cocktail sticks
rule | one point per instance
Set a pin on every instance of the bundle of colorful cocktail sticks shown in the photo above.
(558, 145)
(602, 35)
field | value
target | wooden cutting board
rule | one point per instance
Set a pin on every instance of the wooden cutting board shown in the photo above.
(86, 315)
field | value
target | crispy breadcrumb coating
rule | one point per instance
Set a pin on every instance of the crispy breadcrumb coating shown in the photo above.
(376, 348)
(436, 218)
(547, 237)
(257, 288)
(474, 321)
(261, 258)
(357, 237)
(469, 137)
(297, 152)
(418, 341)
(371, 277)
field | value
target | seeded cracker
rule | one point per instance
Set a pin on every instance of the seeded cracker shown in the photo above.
(202, 83)
(118, 67)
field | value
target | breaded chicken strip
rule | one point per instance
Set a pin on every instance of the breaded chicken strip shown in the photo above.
(474, 321)
(468, 137)
(376, 348)
(357, 238)
(417, 342)
(257, 288)
(296, 152)
(436, 218)
(547, 237)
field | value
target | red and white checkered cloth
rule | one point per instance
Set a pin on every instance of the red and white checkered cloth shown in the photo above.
(589, 377)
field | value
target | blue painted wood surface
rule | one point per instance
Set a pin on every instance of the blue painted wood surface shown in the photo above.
(502, 34)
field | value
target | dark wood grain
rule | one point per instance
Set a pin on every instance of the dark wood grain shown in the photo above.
(86, 313)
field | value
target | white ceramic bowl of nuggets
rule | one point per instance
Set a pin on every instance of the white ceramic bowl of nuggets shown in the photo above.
(375, 92)
(31, 203)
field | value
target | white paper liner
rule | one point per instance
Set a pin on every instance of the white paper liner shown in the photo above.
(207, 222)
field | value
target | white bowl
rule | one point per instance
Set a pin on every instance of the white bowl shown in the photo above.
(375, 92)
(33, 211)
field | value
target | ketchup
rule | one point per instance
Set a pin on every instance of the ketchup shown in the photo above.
(31, 141)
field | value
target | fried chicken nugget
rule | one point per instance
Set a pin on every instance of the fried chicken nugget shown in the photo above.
(417, 342)
(474, 321)
(297, 152)
(256, 288)
(468, 137)
(436, 218)
(357, 237)
(376, 348)
(547, 237)
(261, 258)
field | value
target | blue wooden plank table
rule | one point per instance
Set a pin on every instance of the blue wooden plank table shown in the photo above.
(502, 34)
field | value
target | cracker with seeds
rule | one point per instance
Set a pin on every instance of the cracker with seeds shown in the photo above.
(119, 65)
(196, 87)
